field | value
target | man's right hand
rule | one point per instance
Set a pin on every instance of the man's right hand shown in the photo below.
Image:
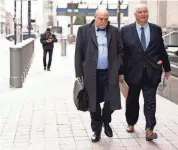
(50, 40)
(160, 62)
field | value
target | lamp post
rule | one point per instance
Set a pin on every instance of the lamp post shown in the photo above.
(15, 33)
(118, 13)
(21, 21)
(29, 18)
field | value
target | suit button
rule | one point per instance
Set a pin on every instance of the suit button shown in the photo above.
(95, 62)
(93, 74)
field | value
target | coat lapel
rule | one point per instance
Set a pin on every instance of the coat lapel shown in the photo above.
(134, 30)
(136, 36)
(108, 34)
(151, 36)
(93, 35)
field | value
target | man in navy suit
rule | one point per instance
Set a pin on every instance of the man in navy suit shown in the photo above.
(144, 58)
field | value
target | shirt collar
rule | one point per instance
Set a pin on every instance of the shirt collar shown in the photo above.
(138, 26)
(97, 28)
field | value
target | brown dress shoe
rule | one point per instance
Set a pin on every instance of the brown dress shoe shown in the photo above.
(150, 135)
(130, 129)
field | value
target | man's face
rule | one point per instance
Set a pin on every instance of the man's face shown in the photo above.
(141, 15)
(48, 32)
(101, 20)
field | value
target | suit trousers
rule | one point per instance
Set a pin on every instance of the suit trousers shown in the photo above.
(100, 117)
(50, 52)
(132, 102)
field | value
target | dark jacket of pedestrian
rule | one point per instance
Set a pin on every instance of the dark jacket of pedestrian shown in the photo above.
(47, 36)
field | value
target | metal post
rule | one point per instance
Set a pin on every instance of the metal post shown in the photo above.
(119, 14)
(15, 22)
(21, 24)
(63, 46)
(15, 68)
(71, 25)
(29, 18)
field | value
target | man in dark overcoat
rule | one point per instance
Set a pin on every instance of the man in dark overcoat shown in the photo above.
(98, 57)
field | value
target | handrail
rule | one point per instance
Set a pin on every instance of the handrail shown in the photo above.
(170, 33)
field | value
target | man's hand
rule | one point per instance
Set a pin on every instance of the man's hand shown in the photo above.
(159, 62)
(78, 78)
(50, 40)
(47, 41)
(121, 78)
(167, 75)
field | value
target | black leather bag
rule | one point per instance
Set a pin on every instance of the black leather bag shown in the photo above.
(80, 96)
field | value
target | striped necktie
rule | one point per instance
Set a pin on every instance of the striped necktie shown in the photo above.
(143, 39)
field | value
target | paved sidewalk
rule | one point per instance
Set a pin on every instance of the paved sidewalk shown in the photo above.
(42, 115)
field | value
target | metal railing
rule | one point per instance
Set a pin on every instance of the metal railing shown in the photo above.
(21, 56)
(171, 39)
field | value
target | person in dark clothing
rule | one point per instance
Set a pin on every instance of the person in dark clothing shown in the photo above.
(144, 59)
(98, 57)
(47, 40)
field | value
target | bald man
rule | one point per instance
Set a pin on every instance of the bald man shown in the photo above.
(144, 58)
(98, 57)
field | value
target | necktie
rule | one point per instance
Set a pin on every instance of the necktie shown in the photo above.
(143, 40)
(98, 29)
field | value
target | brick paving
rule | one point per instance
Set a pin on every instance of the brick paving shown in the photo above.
(42, 115)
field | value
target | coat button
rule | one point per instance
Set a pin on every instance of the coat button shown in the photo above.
(93, 74)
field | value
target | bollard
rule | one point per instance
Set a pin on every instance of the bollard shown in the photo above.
(16, 78)
(63, 46)
(21, 56)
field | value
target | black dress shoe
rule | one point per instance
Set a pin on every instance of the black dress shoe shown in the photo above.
(49, 69)
(96, 137)
(108, 130)
(44, 68)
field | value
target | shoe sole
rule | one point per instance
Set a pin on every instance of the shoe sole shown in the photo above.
(93, 141)
(129, 131)
(152, 138)
(109, 135)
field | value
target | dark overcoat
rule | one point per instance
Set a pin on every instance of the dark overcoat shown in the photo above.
(86, 56)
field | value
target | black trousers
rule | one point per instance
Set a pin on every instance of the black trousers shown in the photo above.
(50, 52)
(132, 102)
(100, 117)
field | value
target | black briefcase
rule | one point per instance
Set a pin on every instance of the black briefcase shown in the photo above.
(80, 96)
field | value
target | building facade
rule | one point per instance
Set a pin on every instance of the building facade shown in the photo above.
(46, 14)
(2, 17)
(161, 12)
(9, 25)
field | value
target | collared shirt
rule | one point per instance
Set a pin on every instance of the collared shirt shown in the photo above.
(146, 30)
(102, 49)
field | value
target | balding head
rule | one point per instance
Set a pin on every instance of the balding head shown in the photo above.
(101, 10)
(141, 6)
(141, 14)
(101, 18)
